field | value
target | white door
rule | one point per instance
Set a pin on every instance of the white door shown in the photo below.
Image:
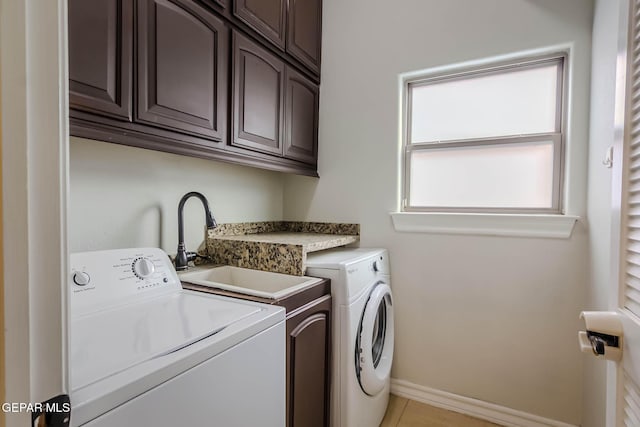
(33, 104)
(623, 384)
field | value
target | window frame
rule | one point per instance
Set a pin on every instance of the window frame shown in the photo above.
(557, 137)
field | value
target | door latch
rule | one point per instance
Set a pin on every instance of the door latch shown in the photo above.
(602, 336)
(608, 158)
(55, 412)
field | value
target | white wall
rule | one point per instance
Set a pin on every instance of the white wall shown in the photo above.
(601, 133)
(128, 197)
(486, 317)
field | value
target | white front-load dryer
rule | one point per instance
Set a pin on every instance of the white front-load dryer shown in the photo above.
(363, 333)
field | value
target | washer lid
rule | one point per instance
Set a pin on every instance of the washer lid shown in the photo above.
(111, 341)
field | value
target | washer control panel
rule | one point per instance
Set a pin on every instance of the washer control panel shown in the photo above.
(104, 279)
(143, 267)
(81, 278)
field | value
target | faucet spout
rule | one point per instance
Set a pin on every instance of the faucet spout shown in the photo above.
(182, 256)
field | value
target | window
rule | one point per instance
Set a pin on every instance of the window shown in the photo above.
(486, 140)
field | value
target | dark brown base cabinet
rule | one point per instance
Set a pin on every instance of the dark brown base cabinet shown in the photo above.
(308, 364)
(308, 371)
(194, 83)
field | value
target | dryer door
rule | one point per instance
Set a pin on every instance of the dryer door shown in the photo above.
(374, 344)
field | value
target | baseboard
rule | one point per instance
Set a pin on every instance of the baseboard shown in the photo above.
(468, 406)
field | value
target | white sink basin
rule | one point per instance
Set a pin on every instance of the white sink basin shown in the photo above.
(250, 282)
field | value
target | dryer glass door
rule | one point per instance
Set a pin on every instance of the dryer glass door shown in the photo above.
(374, 346)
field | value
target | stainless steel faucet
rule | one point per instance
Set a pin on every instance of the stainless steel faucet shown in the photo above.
(182, 256)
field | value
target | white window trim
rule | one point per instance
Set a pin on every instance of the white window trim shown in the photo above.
(490, 224)
(514, 225)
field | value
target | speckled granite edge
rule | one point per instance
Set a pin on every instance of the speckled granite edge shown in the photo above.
(241, 228)
(281, 258)
(273, 256)
(322, 227)
(338, 241)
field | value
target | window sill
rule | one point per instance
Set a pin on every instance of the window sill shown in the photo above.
(515, 225)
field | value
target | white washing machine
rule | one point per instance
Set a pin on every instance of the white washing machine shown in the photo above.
(145, 352)
(362, 332)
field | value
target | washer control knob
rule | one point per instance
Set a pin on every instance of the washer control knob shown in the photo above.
(143, 267)
(376, 268)
(81, 278)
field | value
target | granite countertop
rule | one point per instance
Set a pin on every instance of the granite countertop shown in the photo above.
(311, 242)
(278, 246)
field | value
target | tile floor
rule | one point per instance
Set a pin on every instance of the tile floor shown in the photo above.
(403, 412)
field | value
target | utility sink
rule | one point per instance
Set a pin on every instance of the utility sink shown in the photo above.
(246, 281)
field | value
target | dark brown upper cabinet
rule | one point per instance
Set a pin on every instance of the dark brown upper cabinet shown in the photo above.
(291, 25)
(268, 17)
(182, 68)
(166, 75)
(100, 52)
(258, 100)
(301, 117)
(304, 32)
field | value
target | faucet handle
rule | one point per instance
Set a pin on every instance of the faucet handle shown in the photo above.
(182, 258)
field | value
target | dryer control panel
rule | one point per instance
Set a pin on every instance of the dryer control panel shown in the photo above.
(362, 273)
(104, 279)
(357, 269)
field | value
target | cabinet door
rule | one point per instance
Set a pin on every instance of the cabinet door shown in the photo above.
(182, 63)
(301, 118)
(265, 16)
(258, 98)
(304, 31)
(100, 55)
(308, 364)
